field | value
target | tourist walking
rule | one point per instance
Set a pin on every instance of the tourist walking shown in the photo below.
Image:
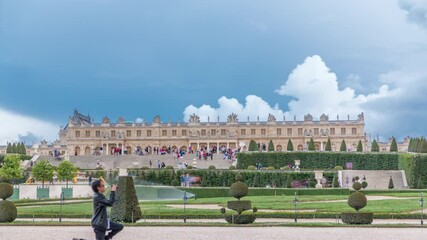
(101, 224)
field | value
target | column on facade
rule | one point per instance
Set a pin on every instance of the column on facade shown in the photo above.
(107, 150)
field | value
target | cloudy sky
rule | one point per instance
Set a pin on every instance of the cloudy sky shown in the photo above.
(138, 59)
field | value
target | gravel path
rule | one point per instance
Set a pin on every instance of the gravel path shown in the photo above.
(214, 233)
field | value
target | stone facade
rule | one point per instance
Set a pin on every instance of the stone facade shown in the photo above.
(82, 136)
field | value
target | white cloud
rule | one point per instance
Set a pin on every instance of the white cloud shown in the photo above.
(254, 106)
(15, 126)
(416, 11)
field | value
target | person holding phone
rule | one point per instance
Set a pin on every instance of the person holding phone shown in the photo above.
(101, 224)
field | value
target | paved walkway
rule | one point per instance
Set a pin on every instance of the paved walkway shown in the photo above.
(214, 233)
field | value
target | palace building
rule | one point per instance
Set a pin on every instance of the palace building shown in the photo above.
(83, 136)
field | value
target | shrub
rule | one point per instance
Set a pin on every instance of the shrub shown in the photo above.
(145, 168)
(270, 168)
(338, 168)
(211, 167)
(271, 146)
(343, 147)
(290, 146)
(328, 147)
(253, 146)
(126, 208)
(357, 200)
(169, 167)
(375, 147)
(390, 183)
(251, 167)
(364, 184)
(175, 182)
(359, 146)
(357, 217)
(8, 211)
(335, 182)
(6, 190)
(239, 190)
(393, 145)
(189, 167)
(232, 167)
(241, 219)
(357, 186)
(311, 146)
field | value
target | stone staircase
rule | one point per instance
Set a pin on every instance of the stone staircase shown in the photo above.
(135, 161)
(377, 179)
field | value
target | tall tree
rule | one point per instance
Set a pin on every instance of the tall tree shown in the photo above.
(253, 146)
(11, 168)
(290, 146)
(311, 146)
(328, 147)
(43, 171)
(271, 146)
(360, 146)
(9, 148)
(343, 147)
(67, 171)
(14, 150)
(393, 145)
(375, 147)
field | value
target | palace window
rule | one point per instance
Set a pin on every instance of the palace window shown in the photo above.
(138, 133)
(299, 131)
(77, 134)
(354, 131)
(213, 132)
(164, 133)
(174, 133)
(289, 130)
(113, 133)
(203, 132)
(223, 132)
(332, 130)
(242, 132)
(279, 131)
(87, 134)
(316, 131)
(253, 131)
(148, 133)
(128, 133)
(263, 131)
(184, 133)
(98, 134)
(343, 131)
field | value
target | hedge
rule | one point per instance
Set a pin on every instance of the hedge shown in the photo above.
(320, 160)
(415, 167)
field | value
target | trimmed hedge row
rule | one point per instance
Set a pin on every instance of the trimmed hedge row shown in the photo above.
(415, 167)
(320, 160)
(214, 192)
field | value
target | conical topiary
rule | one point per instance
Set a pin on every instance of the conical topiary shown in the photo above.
(126, 208)
(390, 183)
(238, 190)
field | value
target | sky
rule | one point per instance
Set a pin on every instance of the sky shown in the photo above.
(137, 59)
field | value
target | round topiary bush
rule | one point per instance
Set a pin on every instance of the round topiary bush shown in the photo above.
(169, 167)
(4, 179)
(175, 182)
(232, 168)
(239, 189)
(251, 167)
(211, 167)
(357, 200)
(189, 167)
(357, 186)
(6, 190)
(338, 168)
(364, 184)
(8, 211)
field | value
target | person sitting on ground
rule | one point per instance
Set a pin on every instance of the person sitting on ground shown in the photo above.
(101, 224)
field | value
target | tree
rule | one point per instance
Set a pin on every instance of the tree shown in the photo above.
(271, 146)
(13, 148)
(393, 145)
(290, 146)
(11, 167)
(126, 208)
(311, 146)
(67, 171)
(253, 146)
(328, 147)
(360, 146)
(9, 148)
(43, 171)
(343, 147)
(335, 182)
(375, 147)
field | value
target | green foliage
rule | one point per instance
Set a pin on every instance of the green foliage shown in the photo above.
(6, 190)
(241, 219)
(335, 182)
(364, 184)
(11, 168)
(328, 147)
(393, 145)
(43, 171)
(360, 146)
(232, 167)
(357, 200)
(390, 183)
(357, 217)
(251, 167)
(239, 190)
(338, 168)
(375, 147)
(239, 206)
(290, 146)
(126, 208)
(175, 183)
(357, 186)
(343, 147)
(99, 173)
(67, 171)
(8, 211)
(311, 146)
(211, 167)
(271, 146)
(253, 146)
(417, 145)
(321, 160)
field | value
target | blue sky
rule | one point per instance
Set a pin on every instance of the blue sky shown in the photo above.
(143, 58)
